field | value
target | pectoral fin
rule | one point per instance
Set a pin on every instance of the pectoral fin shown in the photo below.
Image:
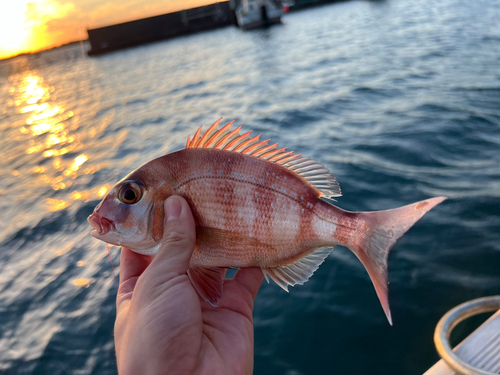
(207, 282)
(156, 217)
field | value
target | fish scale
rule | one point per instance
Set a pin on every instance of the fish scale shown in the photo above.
(254, 205)
(269, 210)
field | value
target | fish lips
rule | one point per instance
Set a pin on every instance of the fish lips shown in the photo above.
(100, 224)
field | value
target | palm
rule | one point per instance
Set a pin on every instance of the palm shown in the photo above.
(195, 336)
(227, 339)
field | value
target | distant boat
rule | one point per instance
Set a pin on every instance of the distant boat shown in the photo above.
(251, 14)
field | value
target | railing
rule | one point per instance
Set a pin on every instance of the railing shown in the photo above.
(480, 353)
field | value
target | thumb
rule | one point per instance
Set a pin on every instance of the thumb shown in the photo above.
(178, 241)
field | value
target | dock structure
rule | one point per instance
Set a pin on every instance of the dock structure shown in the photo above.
(165, 26)
(246, 14)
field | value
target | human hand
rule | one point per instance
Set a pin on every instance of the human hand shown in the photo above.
(163, 327)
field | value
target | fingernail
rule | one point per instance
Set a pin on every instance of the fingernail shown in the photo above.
(173, 208)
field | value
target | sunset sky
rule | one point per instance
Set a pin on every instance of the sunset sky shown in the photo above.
(33, 25)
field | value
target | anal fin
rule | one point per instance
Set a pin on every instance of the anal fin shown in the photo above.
(298, 272)
(207, 282)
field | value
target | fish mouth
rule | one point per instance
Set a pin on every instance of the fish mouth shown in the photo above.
(100, 224)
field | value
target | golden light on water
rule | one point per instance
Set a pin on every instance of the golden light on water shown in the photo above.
(79, 160)
(82, 282)
(51, 133)
(101, 192)
(45, 117)
(86, 195)
(56, 204)
(80, 195)
(32, 94)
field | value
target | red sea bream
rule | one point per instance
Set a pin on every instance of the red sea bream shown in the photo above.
(255, 205)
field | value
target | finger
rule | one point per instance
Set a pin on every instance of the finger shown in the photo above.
(132, 265)
(250, 279)
(178, 241)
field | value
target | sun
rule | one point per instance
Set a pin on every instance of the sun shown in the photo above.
(13, 28)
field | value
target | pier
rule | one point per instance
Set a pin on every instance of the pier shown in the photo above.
(165, 26)
(246, 14)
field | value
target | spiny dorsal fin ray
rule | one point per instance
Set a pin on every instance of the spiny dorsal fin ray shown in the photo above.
(309, 169)
(235, 139)
(208, 134)
(298, 272)
(212, 142)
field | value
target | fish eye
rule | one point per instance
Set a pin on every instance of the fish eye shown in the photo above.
(130, 193)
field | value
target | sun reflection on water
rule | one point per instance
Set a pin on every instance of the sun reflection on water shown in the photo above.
(82, 282)
(56, 204)
(53, 142)
(45, 116)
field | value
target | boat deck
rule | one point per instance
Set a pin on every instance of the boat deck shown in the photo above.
(480, 349)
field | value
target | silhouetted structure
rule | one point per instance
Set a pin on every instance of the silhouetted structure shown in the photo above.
(243, 13)
(133, 33)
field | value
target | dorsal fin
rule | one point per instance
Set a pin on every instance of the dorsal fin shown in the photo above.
(310, 170)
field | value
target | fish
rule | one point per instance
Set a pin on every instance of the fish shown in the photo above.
(254, 205)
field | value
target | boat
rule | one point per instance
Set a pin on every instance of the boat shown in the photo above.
(251, 14)
(479, 353)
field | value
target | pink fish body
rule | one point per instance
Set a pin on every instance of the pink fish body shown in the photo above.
(254, 206)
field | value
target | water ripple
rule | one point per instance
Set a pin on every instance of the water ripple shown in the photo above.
(399, 99)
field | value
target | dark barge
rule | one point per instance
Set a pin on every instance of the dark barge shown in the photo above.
(246, 14)
(166, 26)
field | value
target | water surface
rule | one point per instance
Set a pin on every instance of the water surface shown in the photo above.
(399, 98)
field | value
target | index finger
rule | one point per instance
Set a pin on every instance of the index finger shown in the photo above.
(132, 265)
(250, 278)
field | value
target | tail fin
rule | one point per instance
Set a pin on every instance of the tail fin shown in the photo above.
(381, 231)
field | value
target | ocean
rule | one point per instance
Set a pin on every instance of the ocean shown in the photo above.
(400, 99)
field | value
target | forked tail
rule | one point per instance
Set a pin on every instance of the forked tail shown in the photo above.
(378, 232)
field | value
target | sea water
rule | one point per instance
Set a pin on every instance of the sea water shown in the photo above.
(400, 99)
